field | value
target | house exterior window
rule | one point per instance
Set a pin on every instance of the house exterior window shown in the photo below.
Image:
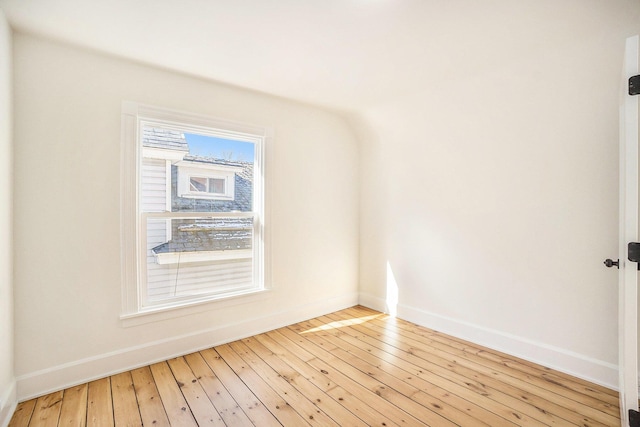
(202, 185)
(201, 180)
(193, 210)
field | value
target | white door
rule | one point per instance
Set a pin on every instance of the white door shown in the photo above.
(628, 273)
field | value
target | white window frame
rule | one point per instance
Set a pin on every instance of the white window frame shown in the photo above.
(133, 254)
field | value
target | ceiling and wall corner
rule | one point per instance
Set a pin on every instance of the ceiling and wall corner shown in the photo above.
(485, 172)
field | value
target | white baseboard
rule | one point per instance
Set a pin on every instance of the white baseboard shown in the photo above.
(578, 365)
(8, 403)
(373, 302)
(88, 369)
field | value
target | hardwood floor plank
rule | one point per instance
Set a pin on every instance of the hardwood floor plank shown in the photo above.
(257, 412)
(289, 352)
(368, 389)
(418, 402)
(316, 394)
(151, 409)
(74, 407)
(99, 403)
(175, 405)
(22, 415)
(125, 404)
(230, 411)
(597, 411)
(279, 407)
(302, 404)
(354, 368)
(470, 390)
(429, 395)
(431, 362)
(201, 407)
(473, 361)
(548, 374)
(530, 368)
(47, 410)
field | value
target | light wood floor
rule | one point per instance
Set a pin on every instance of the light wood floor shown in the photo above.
(355, 367)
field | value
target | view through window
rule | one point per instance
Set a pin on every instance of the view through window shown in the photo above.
(199, 210)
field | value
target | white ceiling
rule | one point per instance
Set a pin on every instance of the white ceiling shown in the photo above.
(342, 54)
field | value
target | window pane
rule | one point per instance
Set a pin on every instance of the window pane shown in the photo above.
(216, 185)
(214, 159)
(198, 184)
(198, 256)
(220, 172)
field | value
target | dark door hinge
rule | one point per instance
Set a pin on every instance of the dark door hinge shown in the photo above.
(634, 85)
(633, 251)
(633, 254)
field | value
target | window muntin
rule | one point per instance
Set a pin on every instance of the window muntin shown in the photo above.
(193, 249)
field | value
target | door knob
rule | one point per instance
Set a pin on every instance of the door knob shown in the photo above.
(610, 263)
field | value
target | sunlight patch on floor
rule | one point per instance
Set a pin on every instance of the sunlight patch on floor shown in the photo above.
(341, 324)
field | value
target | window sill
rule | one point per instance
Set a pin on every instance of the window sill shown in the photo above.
(173, 310)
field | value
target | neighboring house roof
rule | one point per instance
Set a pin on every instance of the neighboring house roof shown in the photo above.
(213, 161)
(164, 138)
(218, 234)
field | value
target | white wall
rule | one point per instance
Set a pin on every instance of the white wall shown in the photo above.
(67, 246)
(7, 381)
(492, 192)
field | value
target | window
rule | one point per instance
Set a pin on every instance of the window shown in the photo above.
(209, 180)
(192, 203)
(200, 184)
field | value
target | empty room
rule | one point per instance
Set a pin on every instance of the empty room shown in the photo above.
(319, 212)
